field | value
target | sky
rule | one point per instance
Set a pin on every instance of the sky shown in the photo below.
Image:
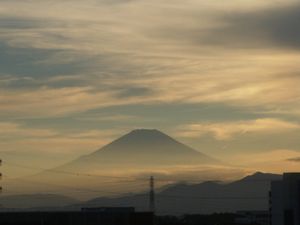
(220, 76)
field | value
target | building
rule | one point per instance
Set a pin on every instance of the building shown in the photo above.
(285, 200)
(87, 216)
(109, 209)
(252, 217)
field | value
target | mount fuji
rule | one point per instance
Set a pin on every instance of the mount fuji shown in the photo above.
(132, 157)
(142, 148)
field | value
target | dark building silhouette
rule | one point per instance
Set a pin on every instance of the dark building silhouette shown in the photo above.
(285, 200)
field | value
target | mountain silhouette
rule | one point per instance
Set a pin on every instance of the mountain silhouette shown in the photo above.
(134, 156)
(249, 193)
(141, 148)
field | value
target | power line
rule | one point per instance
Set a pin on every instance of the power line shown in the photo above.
(78, 189)
(75, 173)
(87, 190)
(130, 179)
(1, 177)
(145, 194)
(59, 171)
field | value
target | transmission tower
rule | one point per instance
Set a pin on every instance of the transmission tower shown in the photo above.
(152, 195)
(0, 177)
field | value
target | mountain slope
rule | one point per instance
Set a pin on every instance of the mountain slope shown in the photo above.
(132, 156)
(142, 148)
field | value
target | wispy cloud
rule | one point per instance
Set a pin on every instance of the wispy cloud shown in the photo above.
(272, 161)
(296, 159)
(274, 27)
(19, 137)
(14, 131)
(228, 130)
(49, 102)
(61, 60)
(166, 69)
(110, 118)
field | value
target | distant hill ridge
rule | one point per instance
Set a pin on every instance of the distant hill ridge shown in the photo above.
(248, 193)
(136, 154)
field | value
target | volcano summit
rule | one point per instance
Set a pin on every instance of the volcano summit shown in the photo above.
(142, 148)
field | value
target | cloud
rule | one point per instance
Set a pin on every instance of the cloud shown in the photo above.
(16, 137)
(134, 91)
(227, 130)
(9, 130)
(271, 161)
(296, 159)
(109, 118)
(232, 88)
(51, 102)
(34, 64)
(277, 27)
(133, 58)
(160, 59)
(195, 173)
(268, 26)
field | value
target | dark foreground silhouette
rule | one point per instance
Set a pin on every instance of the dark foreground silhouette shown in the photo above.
(122, 218)
(76, 218)
(213, 219)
